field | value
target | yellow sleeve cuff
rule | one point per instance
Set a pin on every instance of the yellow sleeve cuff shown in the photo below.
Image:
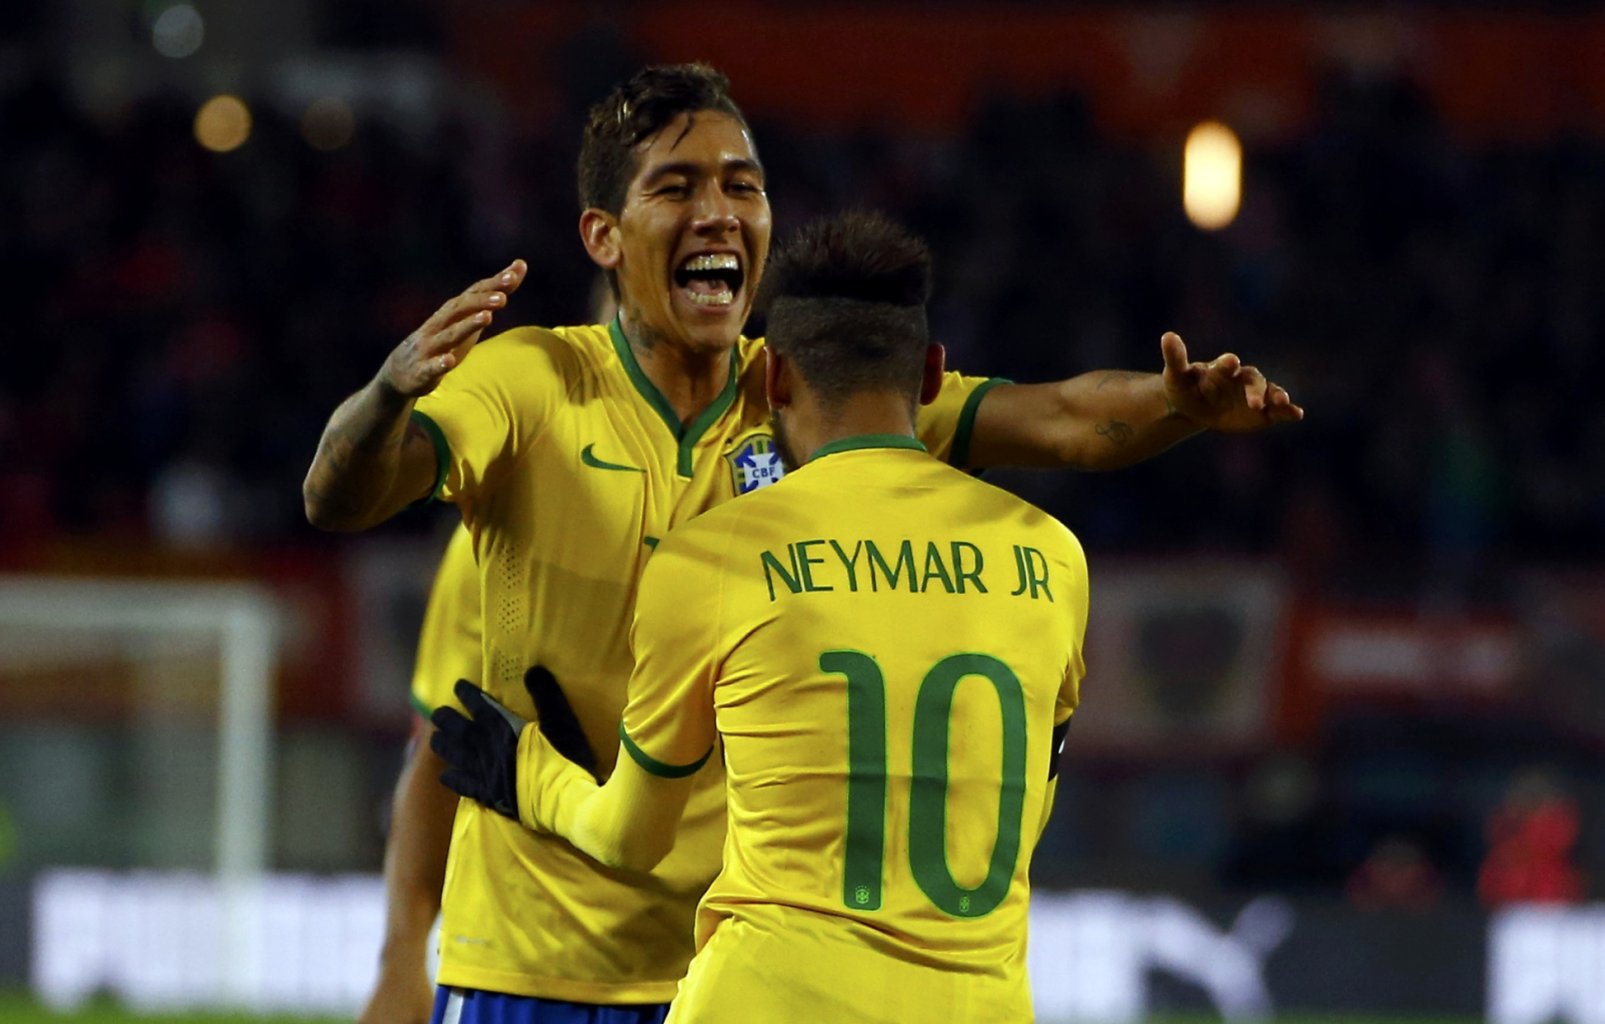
(549, 786)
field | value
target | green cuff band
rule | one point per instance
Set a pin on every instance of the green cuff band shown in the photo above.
(959, 457)
(442, 451)
(653, 766)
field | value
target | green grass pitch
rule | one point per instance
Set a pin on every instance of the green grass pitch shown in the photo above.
(21, 1009)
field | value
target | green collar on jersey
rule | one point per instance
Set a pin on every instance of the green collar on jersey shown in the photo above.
(685, 436)
(847, 444)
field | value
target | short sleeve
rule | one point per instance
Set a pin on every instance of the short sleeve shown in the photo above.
(487, 411)
(449, 645)
(1074, 596)
(669, 726)
(945, 425)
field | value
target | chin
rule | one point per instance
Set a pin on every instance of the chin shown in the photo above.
(715, 332)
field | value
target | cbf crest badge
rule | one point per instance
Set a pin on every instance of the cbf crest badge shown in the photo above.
(755, 463)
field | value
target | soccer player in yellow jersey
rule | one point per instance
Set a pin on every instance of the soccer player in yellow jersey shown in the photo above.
(571, 451)
(881, 649)
(415, 858)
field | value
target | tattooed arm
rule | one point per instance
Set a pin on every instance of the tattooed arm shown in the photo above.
(372, 460)
(1109, 419)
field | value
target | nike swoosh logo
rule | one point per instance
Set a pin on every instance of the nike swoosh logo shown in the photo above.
(596, 463)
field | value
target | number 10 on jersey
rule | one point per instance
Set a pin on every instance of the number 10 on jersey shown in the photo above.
(928, 795)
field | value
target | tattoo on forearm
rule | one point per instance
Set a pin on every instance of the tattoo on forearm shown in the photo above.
(349, 437)
(1116, 432)
(1118, 377)
(355, 459)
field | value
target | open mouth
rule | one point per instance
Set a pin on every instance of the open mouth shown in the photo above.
(710, 279)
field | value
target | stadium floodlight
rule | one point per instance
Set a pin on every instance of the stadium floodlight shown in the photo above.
(1212, 176)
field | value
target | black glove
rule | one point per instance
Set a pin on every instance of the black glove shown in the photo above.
(481, 751)
(556, 719)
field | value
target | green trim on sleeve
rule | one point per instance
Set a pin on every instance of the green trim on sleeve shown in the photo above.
(959, 456)
(419, 706)
(442, 450)
(653, 766)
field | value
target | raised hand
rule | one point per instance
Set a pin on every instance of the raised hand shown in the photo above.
(426, 355)
(1222, 394)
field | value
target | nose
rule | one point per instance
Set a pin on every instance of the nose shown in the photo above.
(715, 213)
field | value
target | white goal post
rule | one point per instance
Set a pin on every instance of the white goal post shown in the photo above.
(40, 615)
(242, 617)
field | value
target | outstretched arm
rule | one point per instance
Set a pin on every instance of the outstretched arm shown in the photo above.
(1109, 419)
(414, 872)
(372, 461)
(628, 822)
(542, 777)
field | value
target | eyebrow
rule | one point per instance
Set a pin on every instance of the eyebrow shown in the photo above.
(692, 170)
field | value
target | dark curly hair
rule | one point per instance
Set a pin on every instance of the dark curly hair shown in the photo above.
(635, 111)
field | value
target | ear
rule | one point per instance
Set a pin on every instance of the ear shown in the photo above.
(600, 236)
(935, 364)
(776, 379)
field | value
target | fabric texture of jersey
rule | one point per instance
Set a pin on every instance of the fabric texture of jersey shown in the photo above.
(449, 644)
(568, 466)
(883, 645)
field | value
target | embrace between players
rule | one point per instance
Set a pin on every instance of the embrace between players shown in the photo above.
(794, 749)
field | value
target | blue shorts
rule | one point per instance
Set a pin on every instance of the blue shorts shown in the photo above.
(471, 1006)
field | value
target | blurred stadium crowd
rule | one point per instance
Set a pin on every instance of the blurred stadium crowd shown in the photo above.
(182, 320)
(179, 324)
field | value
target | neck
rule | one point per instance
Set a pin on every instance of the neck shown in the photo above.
(812, 427)
(689, 378)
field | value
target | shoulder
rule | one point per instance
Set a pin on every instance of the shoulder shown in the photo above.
(699, 542)
(683, 576)
(1060, 544)
(749, 365)
(566, 351)
(717, 537)
(1004, 506)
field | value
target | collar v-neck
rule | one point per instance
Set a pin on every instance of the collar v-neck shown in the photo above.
(685, 436)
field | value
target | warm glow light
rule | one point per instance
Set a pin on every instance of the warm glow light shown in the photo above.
(328, 123)
(178, 31)
(1212, 176)
(223, 123)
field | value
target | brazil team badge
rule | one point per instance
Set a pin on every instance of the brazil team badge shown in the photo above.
(755, 463)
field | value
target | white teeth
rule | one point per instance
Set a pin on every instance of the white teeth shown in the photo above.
(712, 261)
(712, 298)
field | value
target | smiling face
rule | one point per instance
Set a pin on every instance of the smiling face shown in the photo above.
(689, 243)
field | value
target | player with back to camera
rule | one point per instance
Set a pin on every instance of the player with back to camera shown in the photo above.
(571, 451)
(885, 652)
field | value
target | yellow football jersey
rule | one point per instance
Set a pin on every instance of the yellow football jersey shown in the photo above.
(568, 466)
(449, 645)
(884, 646)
